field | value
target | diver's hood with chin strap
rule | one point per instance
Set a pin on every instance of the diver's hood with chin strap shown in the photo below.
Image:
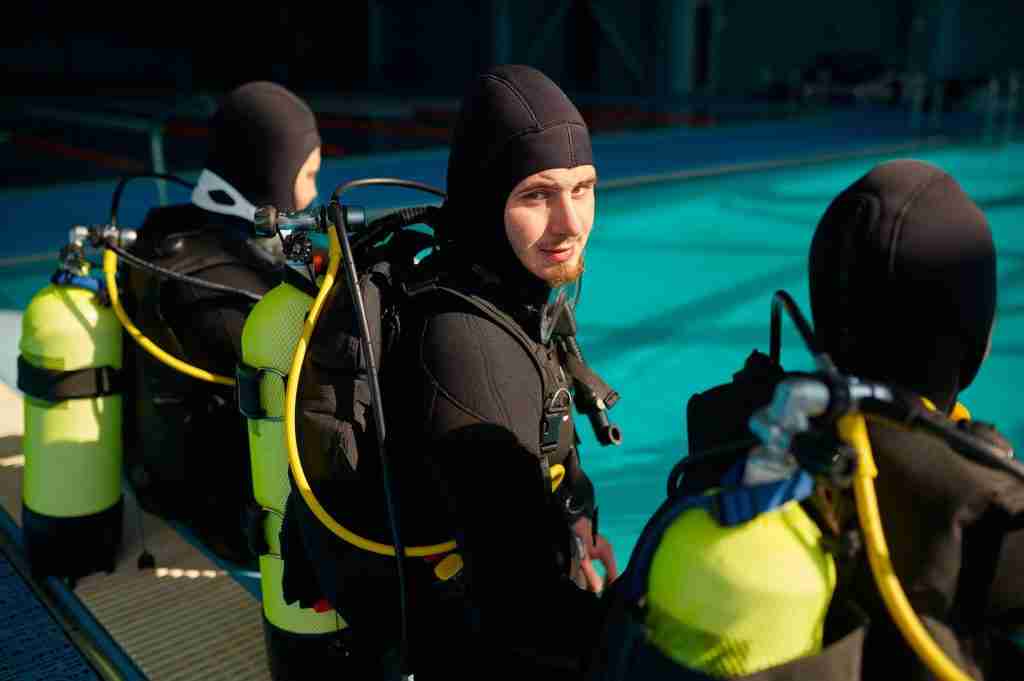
(515, 122)
(262, 135)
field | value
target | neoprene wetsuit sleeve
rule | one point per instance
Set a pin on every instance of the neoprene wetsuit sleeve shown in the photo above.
(479, 374)
(485, 396)
(1006, 596)
(515, 547)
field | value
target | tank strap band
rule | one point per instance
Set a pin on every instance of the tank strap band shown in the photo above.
(55, 386)
(63, 277)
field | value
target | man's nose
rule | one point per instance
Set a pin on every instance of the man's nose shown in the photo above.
(564, 218)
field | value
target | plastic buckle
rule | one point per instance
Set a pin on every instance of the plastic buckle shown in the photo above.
(255, 519)
(248, 380)
(448, 567)
(551, 425)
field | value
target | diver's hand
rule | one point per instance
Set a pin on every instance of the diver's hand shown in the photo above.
(595, 547)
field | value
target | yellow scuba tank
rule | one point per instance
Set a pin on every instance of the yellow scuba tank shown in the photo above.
(269, 337)
(69, 371)
(730, 601)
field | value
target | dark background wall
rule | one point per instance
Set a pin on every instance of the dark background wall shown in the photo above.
(602, 47)
(763, 40)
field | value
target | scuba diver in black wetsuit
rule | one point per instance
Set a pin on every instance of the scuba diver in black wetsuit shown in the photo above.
(187, 453)
(478, 406)
(903, 292)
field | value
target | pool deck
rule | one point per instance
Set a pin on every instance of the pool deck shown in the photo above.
(184, 620)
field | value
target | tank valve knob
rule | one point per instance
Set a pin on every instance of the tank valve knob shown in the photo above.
(110, 235)
(265, 222)
(78, 236)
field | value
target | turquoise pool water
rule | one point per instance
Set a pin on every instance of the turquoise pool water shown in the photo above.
(677, 293)
(678, 289)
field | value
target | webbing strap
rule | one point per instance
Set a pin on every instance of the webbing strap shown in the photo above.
(55, 386)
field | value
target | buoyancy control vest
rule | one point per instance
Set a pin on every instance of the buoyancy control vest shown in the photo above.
(342, 436)
(955, 529)
(172, 420)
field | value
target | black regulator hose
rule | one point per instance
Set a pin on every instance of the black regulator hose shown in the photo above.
(135, 261)
(352, 279)
(386, 181)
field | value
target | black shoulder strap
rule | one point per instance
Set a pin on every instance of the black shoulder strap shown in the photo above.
(295, 279)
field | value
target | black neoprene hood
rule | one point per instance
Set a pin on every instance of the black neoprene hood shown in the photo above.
(903, 280)
(261, 136)
(514, 122)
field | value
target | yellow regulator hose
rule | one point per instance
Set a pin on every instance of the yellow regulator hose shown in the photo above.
(110, 273)
(295, 462)
(853, 430)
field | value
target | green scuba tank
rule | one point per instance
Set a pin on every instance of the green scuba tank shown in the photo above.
(730, 601)
(271, 333)
(69, 371)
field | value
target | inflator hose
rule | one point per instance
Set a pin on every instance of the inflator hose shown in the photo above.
(853, 430)
(110, 273)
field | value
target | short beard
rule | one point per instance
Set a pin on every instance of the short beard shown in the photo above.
(565, 273)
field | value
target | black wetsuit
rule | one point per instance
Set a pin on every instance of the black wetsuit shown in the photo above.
(465, 392)
(188, 452)
(902, 282)
(465, 408)
(192, 462)
(903, 290)
(955, 530)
